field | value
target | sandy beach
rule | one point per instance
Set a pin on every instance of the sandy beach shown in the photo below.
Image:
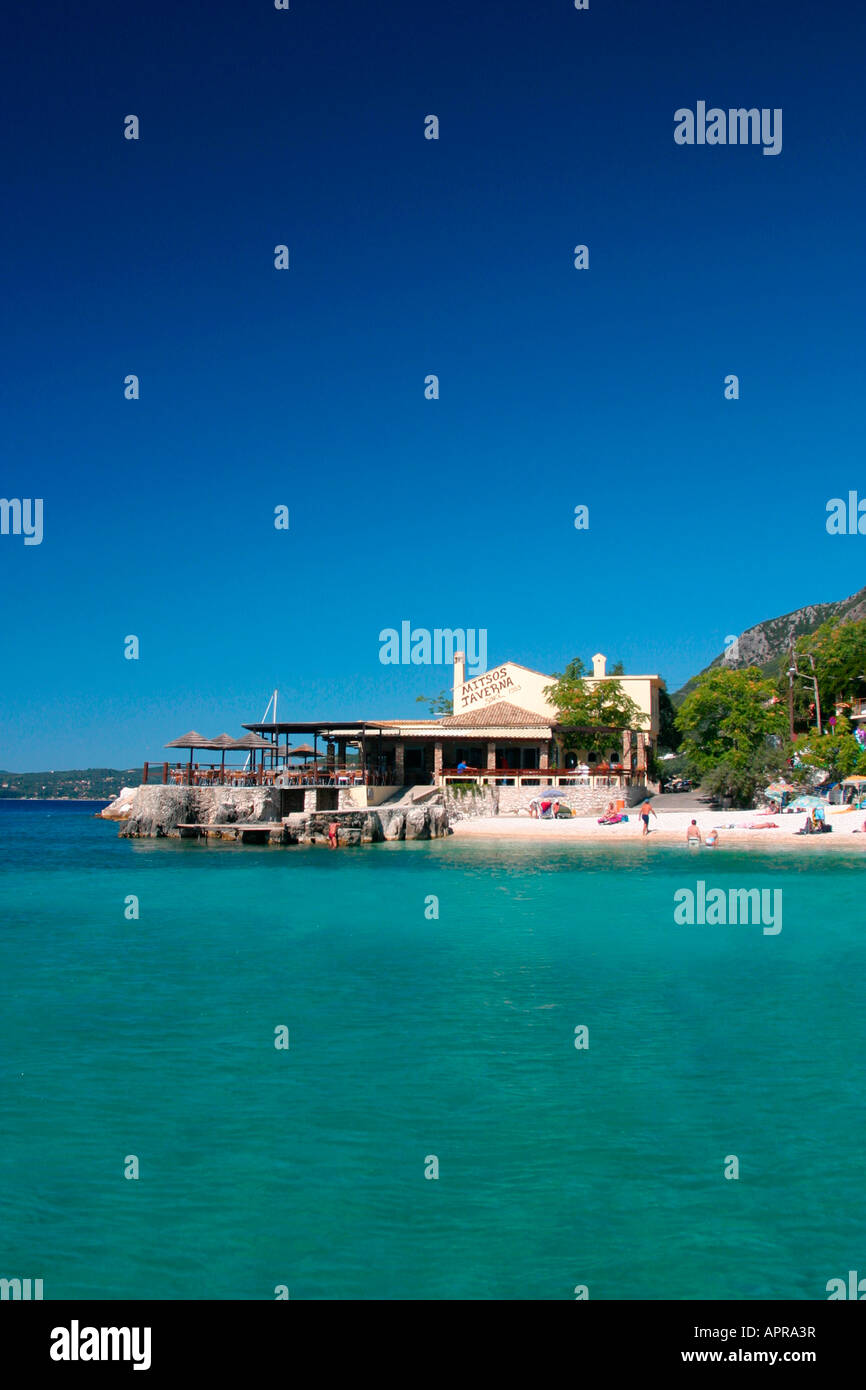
(669, 827)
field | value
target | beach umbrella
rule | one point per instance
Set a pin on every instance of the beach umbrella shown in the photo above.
(779, 790)
(191, 740)
(854, 781)
(805, 803)
(304, 750)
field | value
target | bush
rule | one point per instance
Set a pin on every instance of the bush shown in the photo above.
(744, 785)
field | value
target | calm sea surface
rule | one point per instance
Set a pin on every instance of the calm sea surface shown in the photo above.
(412, 1037)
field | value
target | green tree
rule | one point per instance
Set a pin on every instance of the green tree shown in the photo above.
(729, 718)
(670, 737)
(590, 711)
(839, 651)
(442, 703)
(743, 782)
(575, 669)
(836, 752)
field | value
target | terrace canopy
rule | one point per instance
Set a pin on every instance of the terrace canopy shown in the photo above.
(343, 731)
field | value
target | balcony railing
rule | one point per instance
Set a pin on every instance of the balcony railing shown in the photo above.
(544, 777)
(214, 775)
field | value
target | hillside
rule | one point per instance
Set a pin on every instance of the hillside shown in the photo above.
(79, 784)
(767, 644)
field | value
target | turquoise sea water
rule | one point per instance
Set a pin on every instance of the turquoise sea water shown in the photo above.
(412, 1037)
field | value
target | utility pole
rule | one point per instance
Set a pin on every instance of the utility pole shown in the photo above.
(794, 670)
(817, 696)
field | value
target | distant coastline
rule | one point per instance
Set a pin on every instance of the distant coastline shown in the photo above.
(70, 784)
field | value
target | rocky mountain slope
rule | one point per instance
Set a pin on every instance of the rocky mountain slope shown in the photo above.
(767, 644)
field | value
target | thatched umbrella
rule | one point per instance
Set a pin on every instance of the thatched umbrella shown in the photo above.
(222, 742)
(306, 751)
(191, 741)
(250, 742)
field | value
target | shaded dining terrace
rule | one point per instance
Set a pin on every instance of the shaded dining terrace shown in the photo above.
(340, 755)
(363, 753)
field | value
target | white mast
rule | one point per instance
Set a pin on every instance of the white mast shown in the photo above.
(271, 701)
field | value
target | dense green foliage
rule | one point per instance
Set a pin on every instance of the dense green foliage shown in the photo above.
(839, 653)
(670, 737)
(835, 751)
(728, 717)
(733, 727)
(590, 711)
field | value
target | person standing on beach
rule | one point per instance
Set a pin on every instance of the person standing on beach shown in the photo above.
(645, 811)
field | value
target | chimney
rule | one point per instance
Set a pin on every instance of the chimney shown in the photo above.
(459, 677)
(599, 666)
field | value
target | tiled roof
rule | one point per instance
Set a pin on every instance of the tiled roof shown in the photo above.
(501, 715)
(401, 723)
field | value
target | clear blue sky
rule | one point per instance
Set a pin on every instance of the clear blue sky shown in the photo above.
(411, 257)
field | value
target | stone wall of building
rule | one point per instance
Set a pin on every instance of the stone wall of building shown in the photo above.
(509, 801)
(466, 801)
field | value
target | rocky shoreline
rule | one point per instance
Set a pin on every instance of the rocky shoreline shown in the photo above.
(253, 815)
